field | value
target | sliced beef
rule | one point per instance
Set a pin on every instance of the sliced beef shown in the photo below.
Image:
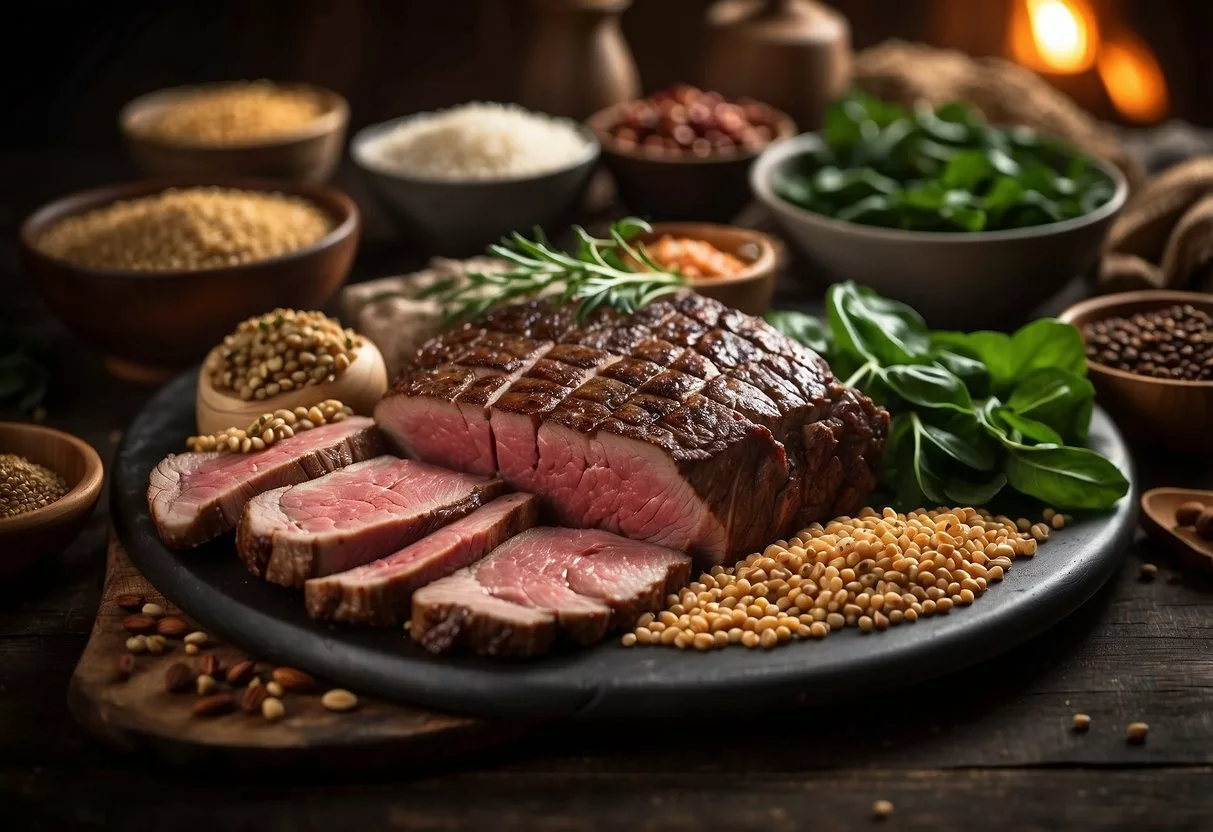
(353, 516)
(687, 424)
(193, 498)
(380, 592)
(543, 583)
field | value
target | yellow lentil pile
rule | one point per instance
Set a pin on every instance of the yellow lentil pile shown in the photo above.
(873, 571)
(279, 352)
(232, 114)
(187, 229)
(270, 428)
(27, 486)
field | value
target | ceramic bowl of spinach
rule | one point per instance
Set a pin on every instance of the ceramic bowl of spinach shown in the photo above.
(969, 222)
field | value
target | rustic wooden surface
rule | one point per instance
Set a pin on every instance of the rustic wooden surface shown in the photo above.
(138, 715)
(990, 748)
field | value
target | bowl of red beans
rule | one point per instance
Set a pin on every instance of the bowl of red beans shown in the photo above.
(685, 153)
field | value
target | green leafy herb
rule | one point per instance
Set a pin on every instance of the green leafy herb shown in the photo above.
(972, 413)
(601, 273)
(943, 170)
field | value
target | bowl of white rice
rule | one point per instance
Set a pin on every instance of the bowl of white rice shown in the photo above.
(459, 179)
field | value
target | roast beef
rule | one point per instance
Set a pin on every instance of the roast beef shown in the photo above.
(544, 582)
(353, 516)
(380, 592)
(687, 424)
(195, 497)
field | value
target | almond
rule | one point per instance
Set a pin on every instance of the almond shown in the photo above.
(240, 672)
(214, 705)
(172, 627)
(211, 665)
(292, 679)
(179, 677)
(130, 603)
(251, 701)
(124, 666)
(139, 623)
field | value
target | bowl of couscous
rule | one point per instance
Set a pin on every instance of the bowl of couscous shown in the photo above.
(240, 128)
(155, 273)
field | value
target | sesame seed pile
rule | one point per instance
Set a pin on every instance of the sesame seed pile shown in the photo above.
(27, 486)
(239, 113)
(873, 571)
(185, 229)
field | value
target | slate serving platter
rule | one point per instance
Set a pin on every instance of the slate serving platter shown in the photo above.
(211, 585)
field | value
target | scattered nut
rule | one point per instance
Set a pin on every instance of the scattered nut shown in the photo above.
(340, 700)
(139, 623)
(1204, 524)
(1137, 732)
(214, 705)
(178, 678)
(206, 684)
(197, 637)
(154, 610)
(240, 672)
(137, 644)
(1080, 722)
(191, 649)
(210, 664)
(172, 627)
(254, 695)
(272, 709)
(1188, 512)
(293, 680)
(1148, 571)
(157, 644)
(132, 603)
(124, 666)
(882, 809)
(275, 689)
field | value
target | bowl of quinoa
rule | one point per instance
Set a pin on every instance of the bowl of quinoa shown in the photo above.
(49, 484)
(241, 128)
(155, 273)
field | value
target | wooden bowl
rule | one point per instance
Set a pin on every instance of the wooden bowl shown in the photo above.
(310, 154)
(750, 291)
(1158, 507)
(360, 386)
(715, 188)
(27, 538)
(1174, 414)
(151, 325)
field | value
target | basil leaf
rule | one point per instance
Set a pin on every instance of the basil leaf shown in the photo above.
(1065, 477)
(1030, 428)
(927, 385)
(1058, 398)
(968, 493)
(806, 329)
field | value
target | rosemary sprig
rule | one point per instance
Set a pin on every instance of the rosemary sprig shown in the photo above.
(608, 272)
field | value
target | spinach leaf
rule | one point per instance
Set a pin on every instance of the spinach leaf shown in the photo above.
(927, 385)
(969, 370)
(1056, 397)
(873, 328)
(968, 493)
(1046, 342)
(1028, 427)
(1065, 476)
(806, 329)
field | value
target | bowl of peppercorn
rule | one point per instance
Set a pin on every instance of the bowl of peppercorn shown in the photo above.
(49, 485)
(1150, 357)
(685, 153)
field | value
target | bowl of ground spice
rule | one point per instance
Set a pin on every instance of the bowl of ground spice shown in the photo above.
(243, 128)
(1150, 357)
(49, 484)
(155, 273)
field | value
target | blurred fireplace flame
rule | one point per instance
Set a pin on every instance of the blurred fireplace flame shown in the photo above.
(1058, 36)
(1133, 79)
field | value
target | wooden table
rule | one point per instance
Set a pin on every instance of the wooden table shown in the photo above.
(990, 748)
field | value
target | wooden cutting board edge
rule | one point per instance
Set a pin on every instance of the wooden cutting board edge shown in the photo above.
(138, 716)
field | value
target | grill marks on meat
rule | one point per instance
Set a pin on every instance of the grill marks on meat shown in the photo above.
(380, 592)
(195, 497)
(353, 516)
(542, 583)
(687, 424)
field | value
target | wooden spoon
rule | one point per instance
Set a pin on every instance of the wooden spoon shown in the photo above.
(1158, 516)
(360, 386)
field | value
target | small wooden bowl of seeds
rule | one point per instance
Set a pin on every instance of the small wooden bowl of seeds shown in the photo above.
(155, 273)
(49, 485)
(1150, 357)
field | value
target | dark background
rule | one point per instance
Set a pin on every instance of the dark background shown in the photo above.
(73, 63)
